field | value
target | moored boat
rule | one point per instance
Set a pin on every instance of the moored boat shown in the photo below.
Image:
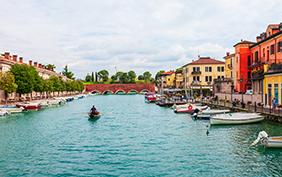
(12, 110)
(270, 142)
(235, 118)
(29, 106)
(207, 113)
(150, 97)
(190, 109)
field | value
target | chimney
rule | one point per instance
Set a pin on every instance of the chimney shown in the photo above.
(7, 55)
(30, 62)
(21, 59)
(35, 64)
(15, 57)
(50, 69)
(258, 39)
(227, 53)
(40, 65)
(43, 66)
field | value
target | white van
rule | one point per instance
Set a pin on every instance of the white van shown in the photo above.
(249, 92)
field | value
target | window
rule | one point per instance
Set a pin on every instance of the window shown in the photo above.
(231, 62)
(207, 69)
(194, 69)
(207, 78)
(249, 74)
(263, 52)
(218, 69)
(256, 56)
(279, 47)
(210, 78)
(198, 78)
(168, 79)
(194, 78)
(272, 49)
(210, 69)
(198, 68)
(249, 60)
(218, 77)
(222, 69)
(222, 77)
(268, 34)
(237, 74)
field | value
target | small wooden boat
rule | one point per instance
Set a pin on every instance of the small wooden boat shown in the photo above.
(150, 97)
(190, 109)
(270, 142)
(94, 116)
(206, 114)
(235, 118)
(29, 106)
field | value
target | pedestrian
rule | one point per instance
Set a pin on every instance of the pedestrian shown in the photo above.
(273, 104)
(234, 103)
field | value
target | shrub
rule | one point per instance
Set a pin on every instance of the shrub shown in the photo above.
(227, 100)
(249, 102)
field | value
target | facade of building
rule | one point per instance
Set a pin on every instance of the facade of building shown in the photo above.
(229, 65)
(202, 72)
(166, 80)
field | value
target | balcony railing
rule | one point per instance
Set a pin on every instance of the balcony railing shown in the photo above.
(257, 76)
(223, 80)
(229, 66)
(196, 73)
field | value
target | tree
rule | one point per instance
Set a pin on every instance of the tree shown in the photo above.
(50, 66)
(88, 78)
(140, 77)
(39, 84)
(96, 77)
(119, 74)
(147, 75)
(68, 73)
(132, 75)
(92, 76)
(158, 73)
(56, 83)
(104, 75)
(7, 83)
(24, 77)
(124, 78)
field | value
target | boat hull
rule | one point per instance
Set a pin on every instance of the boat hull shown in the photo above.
(12, 110)
(94, 116)
(228, 119)
(274, 142)
(28, 106)
(190, 110)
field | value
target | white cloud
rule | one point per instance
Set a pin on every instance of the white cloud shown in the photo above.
(132, 35)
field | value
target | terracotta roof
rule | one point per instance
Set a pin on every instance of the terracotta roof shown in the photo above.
(274, 26)
(167, 73)
(206, 60)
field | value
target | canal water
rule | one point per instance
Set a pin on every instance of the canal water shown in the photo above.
(132, 138)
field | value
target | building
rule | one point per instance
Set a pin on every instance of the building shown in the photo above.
(202, 72)
(166, 80)
(229, 65)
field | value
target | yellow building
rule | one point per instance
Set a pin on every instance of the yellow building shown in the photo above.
(229, 65)
(272, 87)
(203, 71)
(166, 80)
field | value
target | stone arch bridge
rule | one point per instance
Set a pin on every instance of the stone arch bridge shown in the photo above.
(104, 88)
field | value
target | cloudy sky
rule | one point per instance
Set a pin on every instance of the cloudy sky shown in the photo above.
(138, 35)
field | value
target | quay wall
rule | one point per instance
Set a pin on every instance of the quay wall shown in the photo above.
(254, 97)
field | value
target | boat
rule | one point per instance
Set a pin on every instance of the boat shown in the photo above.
(29, 106)
(179, 106)
(206, 114)
(150, 97)
(270, 142)
(190, 109)
(94, 116)
(12, 110)
(3, 113)
(235, 118)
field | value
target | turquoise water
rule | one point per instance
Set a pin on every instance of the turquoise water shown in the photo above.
(132, 138)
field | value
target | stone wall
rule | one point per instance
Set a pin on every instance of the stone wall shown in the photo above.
(119, 87)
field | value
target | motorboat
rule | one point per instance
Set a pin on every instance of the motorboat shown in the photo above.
(12, 110)
(150, 97)
(235, 118)
(29, 105)
(190, 109)
(3, 113)
(94, 115)
(180, 106)
(270, 142)
(206, 114)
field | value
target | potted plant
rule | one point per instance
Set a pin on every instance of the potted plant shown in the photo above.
(227, 101)
(220, 99)
(249, 102)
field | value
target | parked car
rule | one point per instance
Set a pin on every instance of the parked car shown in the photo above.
(249, 92)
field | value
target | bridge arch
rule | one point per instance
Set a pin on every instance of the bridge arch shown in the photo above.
(145, 90)
(116, 92)
(132, 90)
(107, 91)
(96, 91)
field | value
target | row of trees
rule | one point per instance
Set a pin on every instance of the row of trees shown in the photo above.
(24, 79)
(119, 77)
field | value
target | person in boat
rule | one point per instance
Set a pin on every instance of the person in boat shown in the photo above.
(93, 110)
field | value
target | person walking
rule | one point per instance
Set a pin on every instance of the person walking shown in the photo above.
(273, 104)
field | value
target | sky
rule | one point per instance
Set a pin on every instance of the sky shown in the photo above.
(123, 35)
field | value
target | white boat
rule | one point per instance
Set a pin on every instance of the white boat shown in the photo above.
(12, 110)
(181, 106)
(210, 111)
(3, 113)
(235, 118)
(270, 142)
(190, 109)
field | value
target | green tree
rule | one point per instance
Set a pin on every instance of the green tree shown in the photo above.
(50, 66)
(132, 75)
(158, 73)
(56, 83)
(68, 73)
(24, 77)
(88, 78)
(124, 78)
(96, 77)
(119, 74)
(103, 75)
(39, 84)
(7, 83)
(140, 77)
(147, 75)
(47, 86)
(92, 76)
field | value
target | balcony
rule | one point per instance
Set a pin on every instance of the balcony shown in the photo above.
(257, 76)
(223, 80)
(196, 73)
(229, 66)
(257, 63)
